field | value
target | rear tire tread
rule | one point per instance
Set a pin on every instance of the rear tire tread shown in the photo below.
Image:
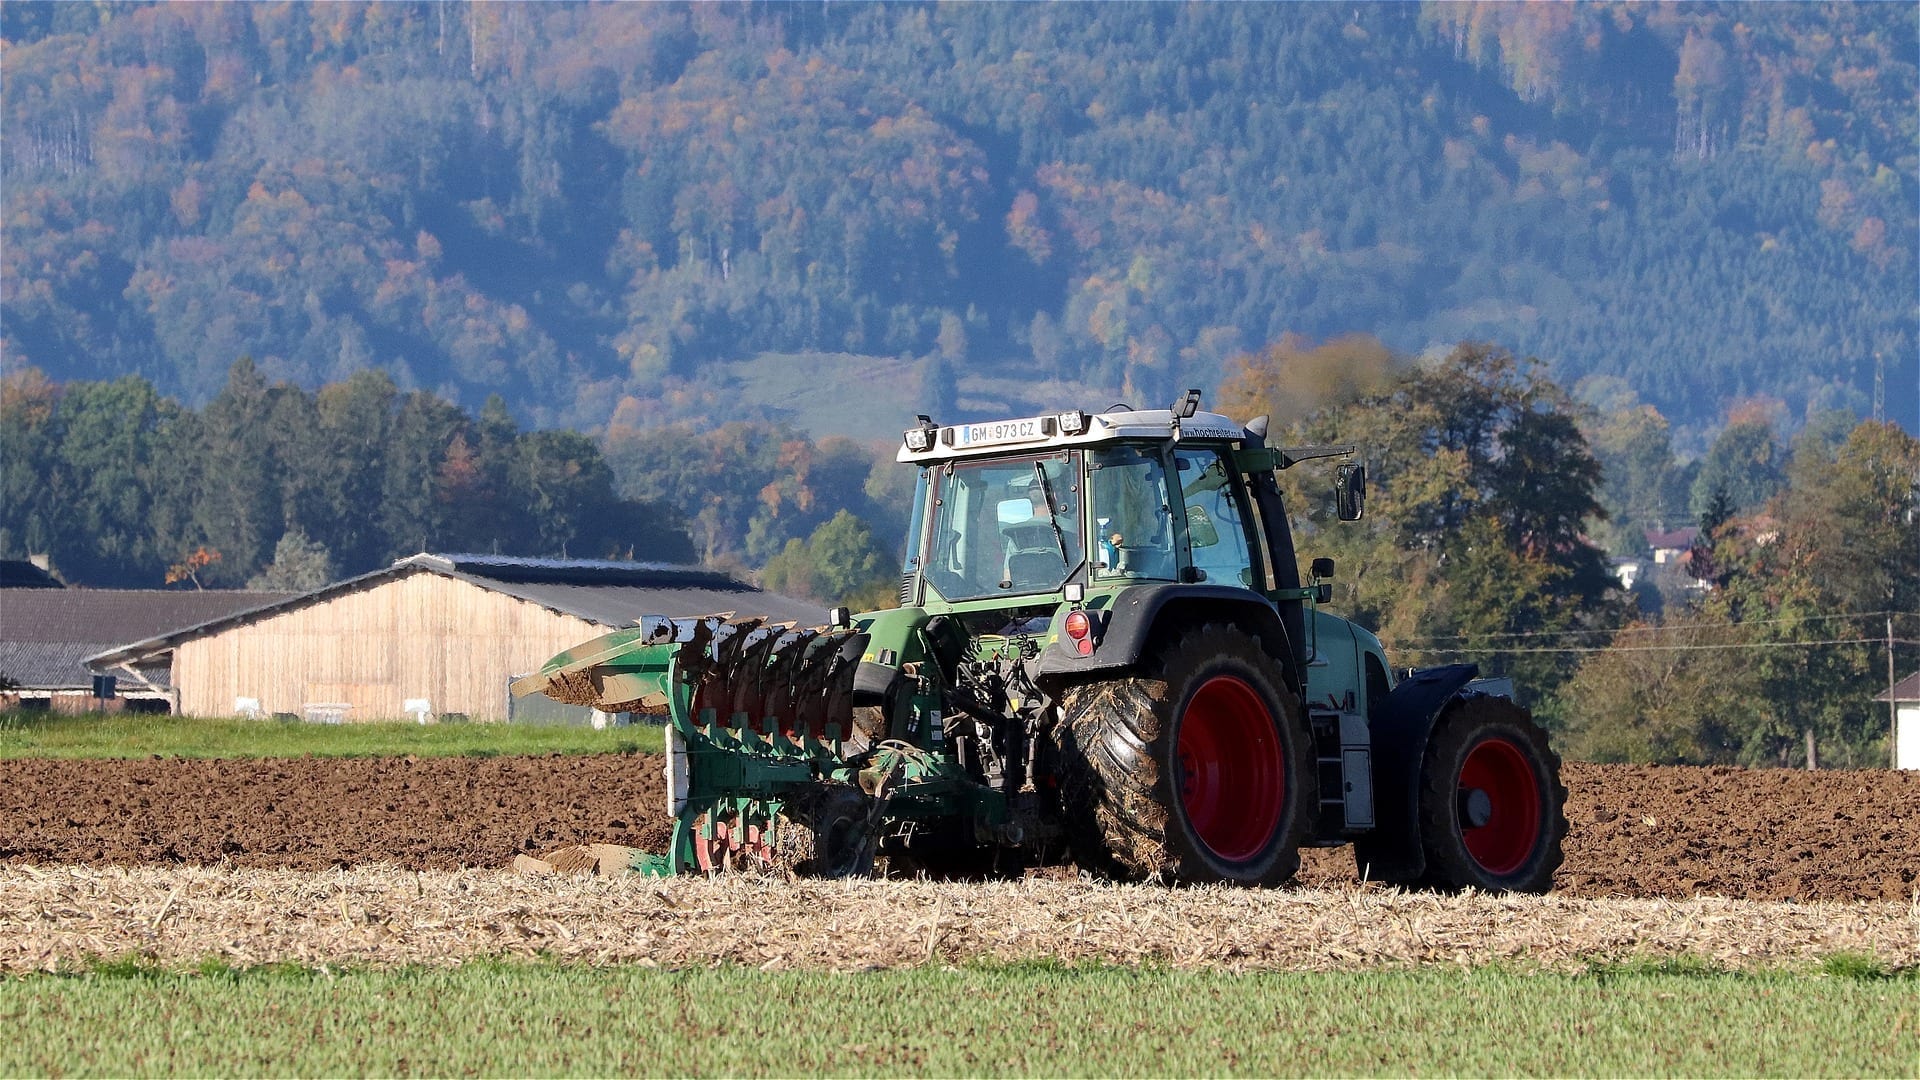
(1118, 789)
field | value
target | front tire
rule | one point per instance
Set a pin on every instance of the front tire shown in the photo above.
(1199, 769)
(1492, 808)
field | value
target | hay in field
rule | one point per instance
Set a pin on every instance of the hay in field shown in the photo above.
(55, 917)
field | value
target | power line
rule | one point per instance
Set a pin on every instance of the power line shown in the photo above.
(1673, 628)
(1679, 648)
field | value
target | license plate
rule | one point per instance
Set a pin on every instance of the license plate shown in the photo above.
(1001, 431)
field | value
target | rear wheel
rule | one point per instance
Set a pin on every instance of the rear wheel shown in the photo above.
(1492, 808)
(1198, 770)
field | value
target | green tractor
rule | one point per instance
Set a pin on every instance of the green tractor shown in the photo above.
(1104, 653)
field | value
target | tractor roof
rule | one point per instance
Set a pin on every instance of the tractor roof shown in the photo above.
(1029, 433)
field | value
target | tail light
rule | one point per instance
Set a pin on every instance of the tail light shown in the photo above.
(1080, 630)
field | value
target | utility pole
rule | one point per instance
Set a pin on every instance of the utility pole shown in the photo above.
(1893, 713)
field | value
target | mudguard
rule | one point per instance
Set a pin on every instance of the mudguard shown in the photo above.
(1126, 629)
(1399, 739)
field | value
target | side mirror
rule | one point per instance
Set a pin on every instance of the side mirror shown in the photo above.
(1350, 491)
(1322, 569)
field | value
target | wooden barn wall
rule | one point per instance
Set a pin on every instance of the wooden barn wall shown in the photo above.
(420, 636)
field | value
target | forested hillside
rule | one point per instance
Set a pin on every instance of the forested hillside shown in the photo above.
(633, 210)
(274, 487)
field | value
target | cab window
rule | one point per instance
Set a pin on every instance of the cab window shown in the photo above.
(1005, 525)
(1216, 518)
(1132, 515)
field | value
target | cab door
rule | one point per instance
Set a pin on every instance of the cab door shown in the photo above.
(1215, 538)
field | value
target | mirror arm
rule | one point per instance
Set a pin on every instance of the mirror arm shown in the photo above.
(1266, 458)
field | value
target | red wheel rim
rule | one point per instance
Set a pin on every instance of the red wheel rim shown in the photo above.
(1499, 768)
(1233, 775)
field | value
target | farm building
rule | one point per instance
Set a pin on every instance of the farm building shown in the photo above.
(429, 636)
(1904, 696)
(48, 632)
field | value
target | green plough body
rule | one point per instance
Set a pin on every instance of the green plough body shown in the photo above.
(760, 725)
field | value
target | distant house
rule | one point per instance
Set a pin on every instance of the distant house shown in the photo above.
(1671, 545)
(429, 636)
(1905, 698)
(1673, 558)
(47, 634)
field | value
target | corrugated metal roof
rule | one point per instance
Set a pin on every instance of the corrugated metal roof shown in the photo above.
(612, 594)
(48, 665)
(623, 605)
(62, 665)
(46, 635)
(586, 572)
(116, 614)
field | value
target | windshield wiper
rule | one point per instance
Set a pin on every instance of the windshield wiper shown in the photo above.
(1059, 538)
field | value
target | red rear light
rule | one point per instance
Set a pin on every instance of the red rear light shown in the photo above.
(1080, 629)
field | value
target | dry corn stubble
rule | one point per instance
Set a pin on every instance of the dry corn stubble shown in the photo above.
(53, 918)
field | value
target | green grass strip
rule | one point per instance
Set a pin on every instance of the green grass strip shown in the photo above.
(499, 1019)
(117, 735)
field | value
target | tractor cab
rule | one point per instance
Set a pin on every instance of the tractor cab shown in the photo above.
(1030, 506)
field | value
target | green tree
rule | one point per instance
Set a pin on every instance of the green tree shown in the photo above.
(299, 565)
(236, 500)
(561, 481)
(1482, 485)
(1746, 462)
(106, 444)
(414, 516)
(1856, 512)
(838, 563)
(1675, 697)
(35, 505)
(848, 561)
(1643, 483)
(356, 421)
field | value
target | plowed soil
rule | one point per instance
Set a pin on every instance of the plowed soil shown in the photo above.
(1636, 831)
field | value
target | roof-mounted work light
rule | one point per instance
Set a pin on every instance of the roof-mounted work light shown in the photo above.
(1072, 423)
(920, 438)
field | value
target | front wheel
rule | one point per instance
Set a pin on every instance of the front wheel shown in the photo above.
(1492, 808)
(1199, 769)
